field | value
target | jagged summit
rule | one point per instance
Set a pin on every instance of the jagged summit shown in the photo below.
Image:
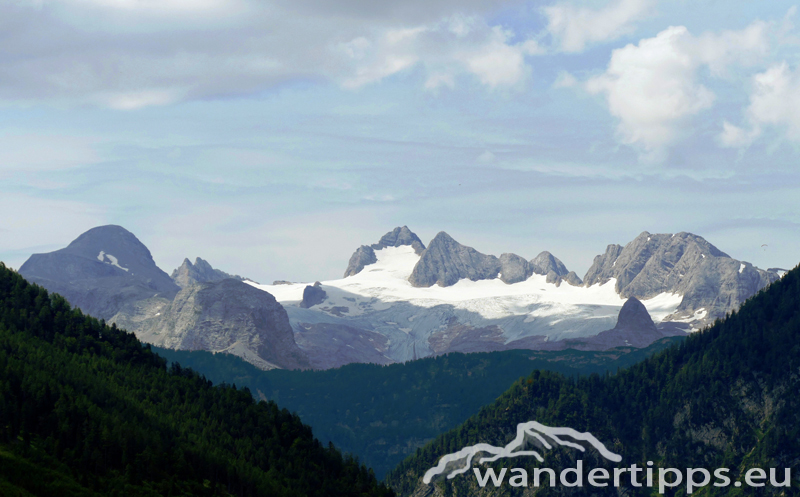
(399, 237)
(365, 254)
(546, 262)
(446, 261)
(100, 271)
(229, 316)
(634, 316)
(710, 280)
(199, 272)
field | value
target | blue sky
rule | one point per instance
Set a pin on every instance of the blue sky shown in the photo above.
(272, 138)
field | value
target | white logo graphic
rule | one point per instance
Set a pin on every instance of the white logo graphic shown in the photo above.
(530, 433)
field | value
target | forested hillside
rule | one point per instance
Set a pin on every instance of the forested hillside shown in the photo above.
(86, 409)
(725, 397)
(384, 413)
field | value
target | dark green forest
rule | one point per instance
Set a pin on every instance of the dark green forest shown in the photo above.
(382, 414)
(728, 396)
(86, 409)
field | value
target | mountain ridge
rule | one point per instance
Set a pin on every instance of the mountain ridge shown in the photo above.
(726, 397)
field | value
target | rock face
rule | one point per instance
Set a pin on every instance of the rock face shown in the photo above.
(365, 254)
(446, 261)
(199, 272)
(555, 271)
(399, 237)
(634, 328)
(514, 268)
(313, 295)
(683, 263)
(330, 345)
(229, 316)
(573, 279)
(546, 262)
(101, 272)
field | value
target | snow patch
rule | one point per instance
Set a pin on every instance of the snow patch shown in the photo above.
(102, 256)
(741, 268)
(385, 283)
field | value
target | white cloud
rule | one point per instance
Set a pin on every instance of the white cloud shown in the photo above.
(653, 87)
(575, 27)
(128, 54)
(565, 80)
(774, 101)
(734, 136)
(498, 63)
(457, 45)
(720, 51)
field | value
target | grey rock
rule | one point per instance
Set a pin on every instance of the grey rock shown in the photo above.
(281, 282)
(365, 254)
(553, 277)
(514, 268)
(199, 272)
(313, 295)
(573, 279)
(229, 316)
(546, 262)
(602, 266)
(330, 345)
(101, 271)
(682, 263)
(634, 316)
(399, 237)
(635, 328)
(446, 261)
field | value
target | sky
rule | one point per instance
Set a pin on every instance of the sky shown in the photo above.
(274, 137)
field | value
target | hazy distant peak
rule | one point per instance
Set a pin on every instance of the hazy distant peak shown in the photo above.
(199, 272)
(398, 237)
(365, 254)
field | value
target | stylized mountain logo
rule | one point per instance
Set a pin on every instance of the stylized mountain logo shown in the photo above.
(530, 433)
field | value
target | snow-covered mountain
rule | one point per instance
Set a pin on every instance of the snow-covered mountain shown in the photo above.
(108, 273)
(401, 300)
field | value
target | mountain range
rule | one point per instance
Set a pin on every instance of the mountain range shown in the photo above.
(400, 300)
(725, 397)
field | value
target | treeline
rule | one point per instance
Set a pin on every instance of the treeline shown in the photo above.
(724, 397)
(87, 409)
(384, 413)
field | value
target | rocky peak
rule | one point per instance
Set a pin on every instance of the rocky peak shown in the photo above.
(313, 295)
(546, 262)
(634, 316)
(365, 254)
(682, 263)
(199, 272)
(514, 268)
(229, 316)
(100, 271)
(399, 237)
(446, 261)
